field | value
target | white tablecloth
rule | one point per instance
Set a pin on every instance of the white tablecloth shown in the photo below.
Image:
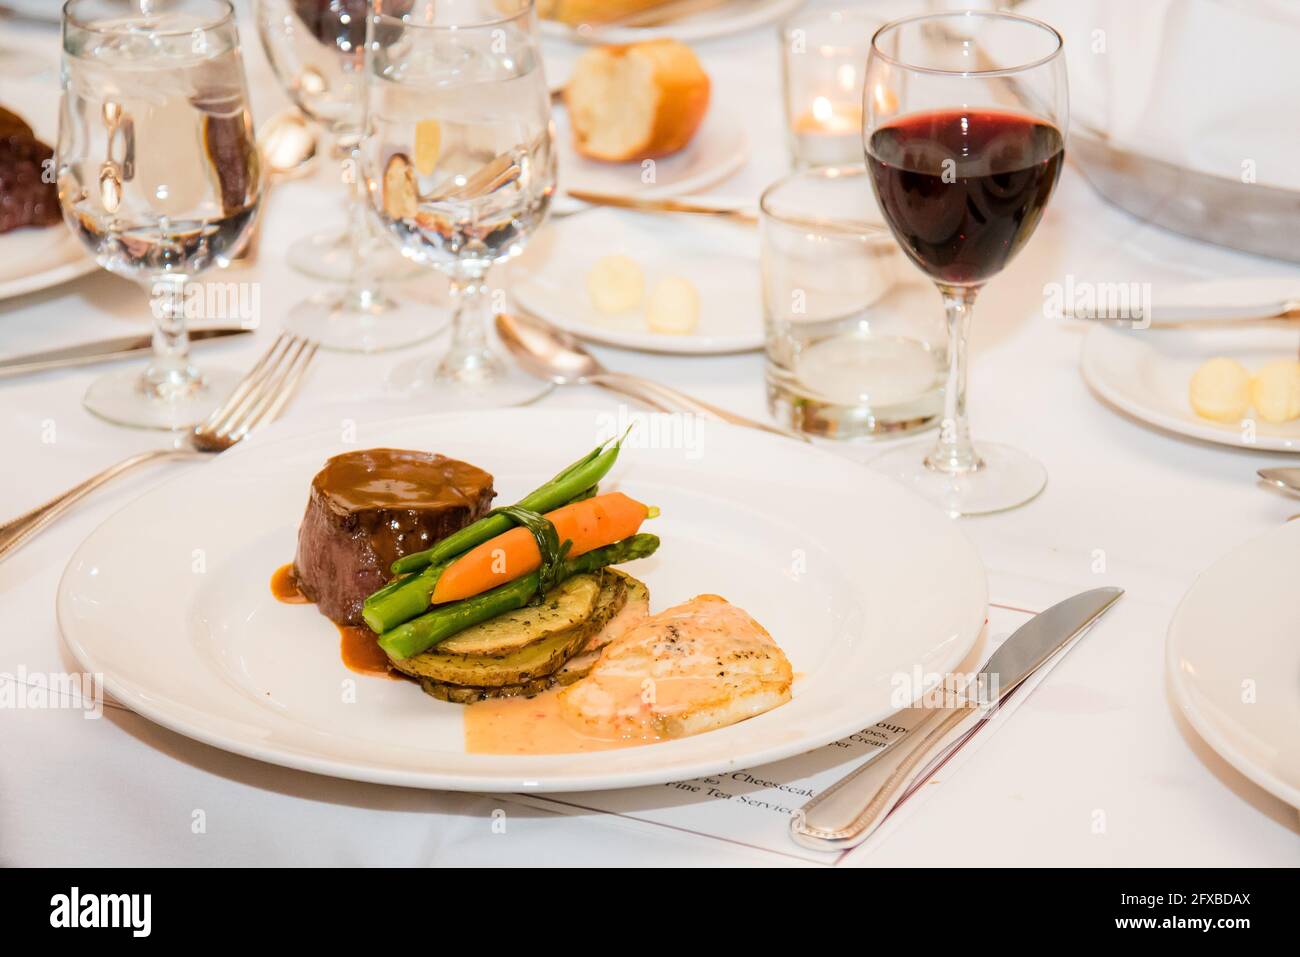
(1099, 735)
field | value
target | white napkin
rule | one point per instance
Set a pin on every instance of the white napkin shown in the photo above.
(1206, 84)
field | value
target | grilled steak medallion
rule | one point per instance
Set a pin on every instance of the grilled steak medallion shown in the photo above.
(26, 198)
(369, 508)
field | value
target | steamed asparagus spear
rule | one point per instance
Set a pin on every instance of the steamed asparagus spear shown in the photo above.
(420, 634)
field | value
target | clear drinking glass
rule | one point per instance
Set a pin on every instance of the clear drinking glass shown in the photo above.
(852, 349)
(317, 51)
(459, 167)
(964, 131)
(158, 175)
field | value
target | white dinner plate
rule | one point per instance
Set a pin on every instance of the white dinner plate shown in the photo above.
(32, 259)
(725, 20)
(717, 150)
(859, 581)
(1147, 374)
(1234, 660)
(36, 259)
(719, 258)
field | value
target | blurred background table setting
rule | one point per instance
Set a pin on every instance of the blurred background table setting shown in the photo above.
(240, 224)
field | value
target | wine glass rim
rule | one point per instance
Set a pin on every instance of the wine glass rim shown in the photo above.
(226, 16)
(525, 10)
(983, 14)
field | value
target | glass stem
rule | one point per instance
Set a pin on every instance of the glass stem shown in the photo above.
(362, 292)
(954, 453)
(169, 374)
(469, 360)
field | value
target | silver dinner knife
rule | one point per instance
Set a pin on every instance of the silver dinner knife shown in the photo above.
(846, 813)
(104, 350)
(1280, 313)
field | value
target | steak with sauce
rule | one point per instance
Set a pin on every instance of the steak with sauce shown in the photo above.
(27, 196)
(369, 508)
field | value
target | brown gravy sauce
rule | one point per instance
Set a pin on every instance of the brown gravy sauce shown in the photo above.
(375, 479)
(284, 586)
(531, 726)
(358, 645)
(360, 651)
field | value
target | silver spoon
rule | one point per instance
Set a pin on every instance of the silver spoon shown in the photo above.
(1286, 479)
(553, 354)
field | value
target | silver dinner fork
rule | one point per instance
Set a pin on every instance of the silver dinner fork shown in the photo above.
(259, 397)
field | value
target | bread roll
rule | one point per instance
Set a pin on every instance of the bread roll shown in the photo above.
(636, 102)
(593, 12)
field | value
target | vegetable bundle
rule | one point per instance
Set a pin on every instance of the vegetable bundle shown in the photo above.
(508, 557)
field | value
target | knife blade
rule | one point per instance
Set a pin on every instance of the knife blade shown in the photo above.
(845, 814)
(105, 350)
(1280, 313)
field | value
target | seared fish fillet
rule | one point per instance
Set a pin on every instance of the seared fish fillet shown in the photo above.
(702, 665)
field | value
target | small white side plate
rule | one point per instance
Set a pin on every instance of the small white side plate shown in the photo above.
(717, 150)
(719, 258)
(1234, 660)
(1147, 374)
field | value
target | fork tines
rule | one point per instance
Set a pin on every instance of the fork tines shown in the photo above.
(263, 392)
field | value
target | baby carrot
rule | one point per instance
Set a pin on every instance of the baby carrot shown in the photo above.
(589, 524)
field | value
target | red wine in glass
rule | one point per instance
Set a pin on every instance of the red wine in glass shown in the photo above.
(963, 189)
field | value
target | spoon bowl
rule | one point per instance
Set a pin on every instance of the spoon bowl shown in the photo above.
(288, 143)
(546, 351)
(550, 353)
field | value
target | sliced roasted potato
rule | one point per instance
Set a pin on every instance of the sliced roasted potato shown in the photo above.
(577, 667)
(634, 609)
(568, 605)
(461, 694)
(536, 660)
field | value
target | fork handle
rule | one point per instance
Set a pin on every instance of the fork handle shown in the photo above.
(622, 382)
(14, 534)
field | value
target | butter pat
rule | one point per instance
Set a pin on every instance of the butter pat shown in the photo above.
(1275, 391)
(1220, 390)
(674, 307)
(615, 284)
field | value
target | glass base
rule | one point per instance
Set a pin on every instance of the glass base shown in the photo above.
(329, 257)
(1007, 478)
(342, 322)
(504, 384)
(127, 398)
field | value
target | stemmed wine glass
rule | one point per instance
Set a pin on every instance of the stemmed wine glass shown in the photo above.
(964, 123)
(459, 168)
(158, 175)
(316, 49)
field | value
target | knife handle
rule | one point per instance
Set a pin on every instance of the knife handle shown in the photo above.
(846, 814)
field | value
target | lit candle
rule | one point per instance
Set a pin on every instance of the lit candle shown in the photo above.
(829, 133)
